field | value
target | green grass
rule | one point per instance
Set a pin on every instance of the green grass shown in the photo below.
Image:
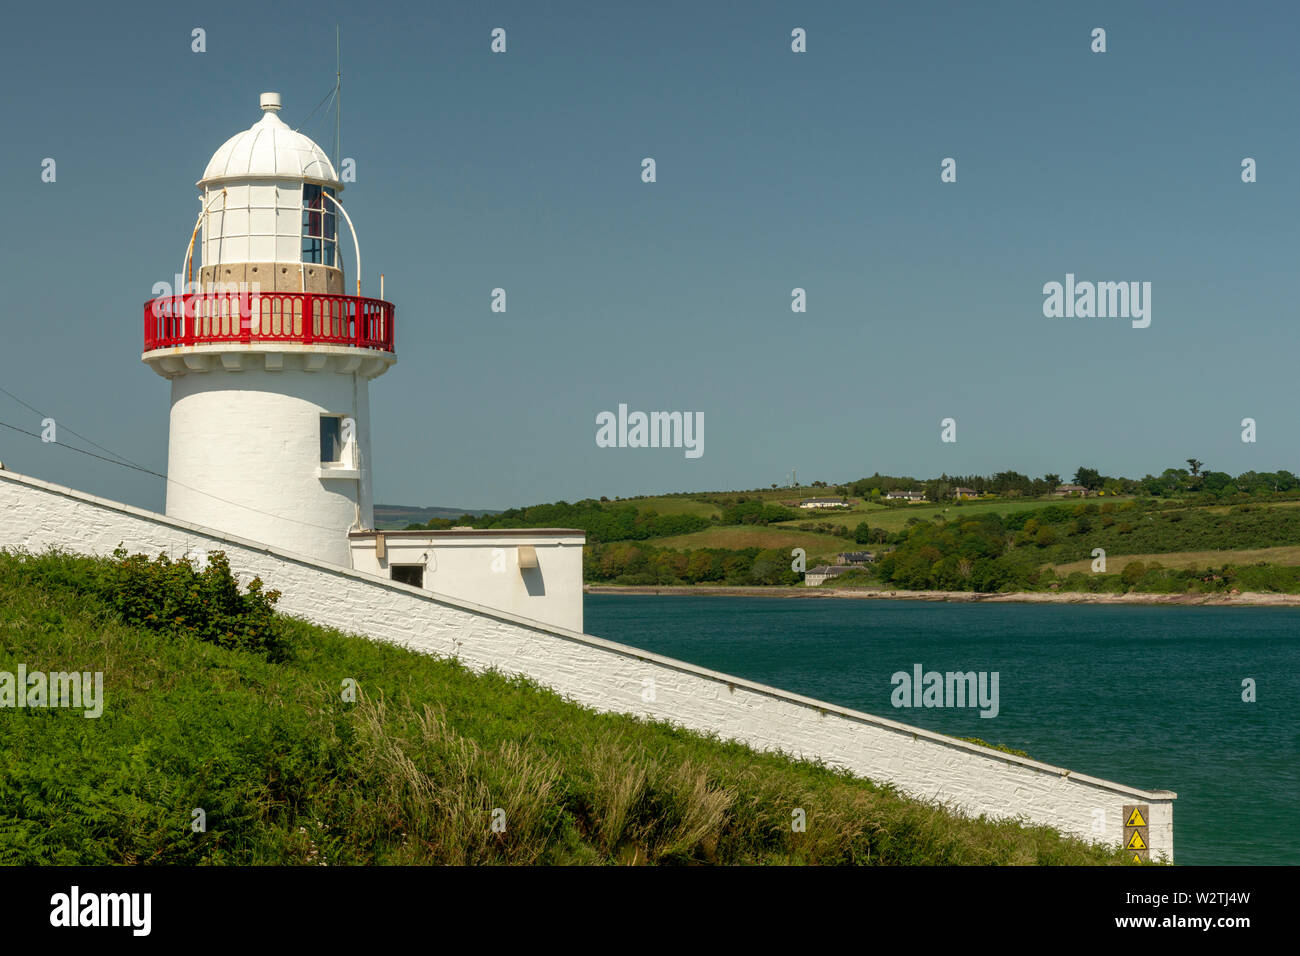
(288, 773)
(895, 519)
(1003, 749)
(1285, 556)
(1191, 529)
(758, 536)
(674, 504)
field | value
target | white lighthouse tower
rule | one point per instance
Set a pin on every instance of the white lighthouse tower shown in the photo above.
(269, 358)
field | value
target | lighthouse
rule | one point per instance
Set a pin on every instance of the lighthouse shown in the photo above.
(269, 352)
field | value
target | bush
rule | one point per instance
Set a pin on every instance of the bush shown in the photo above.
(1133, 572)
(755, 512)
(176, 598)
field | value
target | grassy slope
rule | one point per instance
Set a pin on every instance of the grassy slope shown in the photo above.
(1194, 559)
(757, 536)
(895, 519)
(1189, 530)
(287, 773)
(672, 504)
(786, 534)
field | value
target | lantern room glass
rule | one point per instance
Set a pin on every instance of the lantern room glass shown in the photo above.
(319, 242)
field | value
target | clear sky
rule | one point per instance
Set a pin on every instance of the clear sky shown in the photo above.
(775, 170)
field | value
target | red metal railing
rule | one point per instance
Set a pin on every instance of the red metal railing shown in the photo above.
(301, 318)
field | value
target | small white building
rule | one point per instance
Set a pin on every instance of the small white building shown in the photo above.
(533, 572)
(911, 497)
(1071, 491)
(815, 503)
(815, 577)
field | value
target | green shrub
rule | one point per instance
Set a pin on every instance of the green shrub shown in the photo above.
(1133, 572)
(1002, 747)
(175, 597)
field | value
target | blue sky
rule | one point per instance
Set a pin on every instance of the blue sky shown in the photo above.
(775, 171)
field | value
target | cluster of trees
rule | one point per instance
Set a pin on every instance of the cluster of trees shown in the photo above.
(601, 522)
(1172, 482)
(989, 552)
(1153, 578)
(619, 521)
(863, 534)
(1007, 484)
(756, 512)
(967, 555)
(824, 527)
(1175, 482)
(623, 562)
(1149, 527)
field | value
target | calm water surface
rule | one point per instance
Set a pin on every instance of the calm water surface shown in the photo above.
(1146, 696)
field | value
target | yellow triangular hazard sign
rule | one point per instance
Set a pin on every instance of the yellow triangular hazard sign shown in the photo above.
(1135, 841)
(1136, 858)
(1135, 819)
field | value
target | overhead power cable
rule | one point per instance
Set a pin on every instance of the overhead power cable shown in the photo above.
(126, 464)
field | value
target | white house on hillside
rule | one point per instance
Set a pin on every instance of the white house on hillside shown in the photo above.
(912, 497)
(813, 503)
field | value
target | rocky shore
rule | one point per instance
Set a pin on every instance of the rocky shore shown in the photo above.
(1230, 599)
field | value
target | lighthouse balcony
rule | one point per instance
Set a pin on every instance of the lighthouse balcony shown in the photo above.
(273, 330)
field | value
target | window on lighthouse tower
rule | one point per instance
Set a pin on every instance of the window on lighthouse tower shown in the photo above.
(318, 227)
(331, 439)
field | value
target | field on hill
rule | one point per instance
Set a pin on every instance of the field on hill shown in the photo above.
(415, 771)
(675, 504)
(756, 536)
(1289, 555)
(896, 518)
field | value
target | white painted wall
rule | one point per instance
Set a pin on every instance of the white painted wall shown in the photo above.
(604, 675)
(243, 455)
(483, 567)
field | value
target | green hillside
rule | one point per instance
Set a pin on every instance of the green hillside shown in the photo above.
(1014, 534)
(214, 702)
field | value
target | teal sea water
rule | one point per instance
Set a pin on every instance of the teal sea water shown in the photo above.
(1147, 696)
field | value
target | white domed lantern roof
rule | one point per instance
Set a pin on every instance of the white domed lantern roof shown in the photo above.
(269, 213)
(269, 149)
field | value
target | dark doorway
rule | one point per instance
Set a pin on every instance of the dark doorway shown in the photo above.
(409, 574)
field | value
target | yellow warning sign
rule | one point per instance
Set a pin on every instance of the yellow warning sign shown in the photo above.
(1135, 841)
(1135, 819)
(1137, 858)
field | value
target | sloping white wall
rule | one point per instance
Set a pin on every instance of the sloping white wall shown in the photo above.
(605, 675)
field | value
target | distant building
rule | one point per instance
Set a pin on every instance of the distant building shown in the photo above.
(909, 496)
(823, 573)
(854, 558)
(1066, 491)
(960, 493)
(811, 503)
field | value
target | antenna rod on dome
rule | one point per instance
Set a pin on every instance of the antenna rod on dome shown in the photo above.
(338, 87)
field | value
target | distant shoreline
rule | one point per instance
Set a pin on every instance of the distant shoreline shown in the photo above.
(1243, 599)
